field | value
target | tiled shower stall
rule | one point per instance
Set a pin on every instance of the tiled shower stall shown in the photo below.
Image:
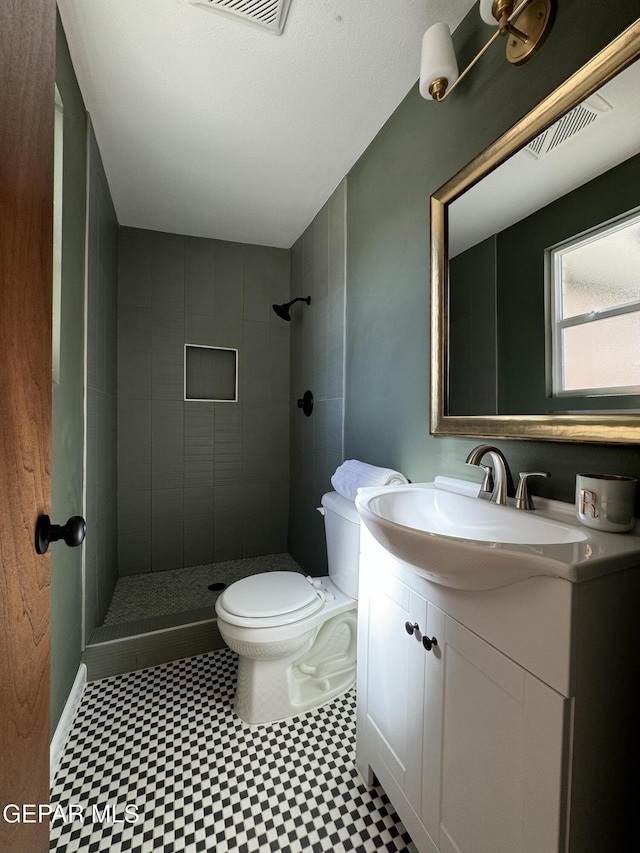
(173, 483)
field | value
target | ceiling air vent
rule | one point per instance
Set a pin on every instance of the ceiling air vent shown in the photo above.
(267, 14)
(571, 123)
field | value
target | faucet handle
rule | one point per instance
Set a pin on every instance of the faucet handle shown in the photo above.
(523, 497)
(487, 477)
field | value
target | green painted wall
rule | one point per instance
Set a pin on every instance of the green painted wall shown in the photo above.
(421, 146)
(473, 355)
(68, 396)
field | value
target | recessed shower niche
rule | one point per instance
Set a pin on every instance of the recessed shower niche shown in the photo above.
(210, 373)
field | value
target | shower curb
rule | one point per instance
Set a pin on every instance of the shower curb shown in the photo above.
(118, 655)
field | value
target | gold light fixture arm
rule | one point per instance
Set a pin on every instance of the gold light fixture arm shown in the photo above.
(465, 72)
(521, 46)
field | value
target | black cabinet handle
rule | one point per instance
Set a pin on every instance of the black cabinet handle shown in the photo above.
(73, 532)
(429, 643)
(411, 628)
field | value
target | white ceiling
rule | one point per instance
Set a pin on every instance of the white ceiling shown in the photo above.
(211, 127)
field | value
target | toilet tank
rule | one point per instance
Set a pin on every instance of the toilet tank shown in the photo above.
(342, 531)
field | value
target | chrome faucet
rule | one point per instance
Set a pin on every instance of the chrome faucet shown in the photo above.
(499, 487)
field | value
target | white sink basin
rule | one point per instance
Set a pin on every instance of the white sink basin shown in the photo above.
(465, 542)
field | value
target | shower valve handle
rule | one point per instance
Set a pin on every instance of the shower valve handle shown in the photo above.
(306, 403)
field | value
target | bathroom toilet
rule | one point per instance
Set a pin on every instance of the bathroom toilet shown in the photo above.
(296, 636)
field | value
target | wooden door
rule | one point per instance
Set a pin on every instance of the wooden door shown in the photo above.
(27, 62)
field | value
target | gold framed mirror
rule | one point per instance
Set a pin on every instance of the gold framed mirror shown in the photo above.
(597, 417)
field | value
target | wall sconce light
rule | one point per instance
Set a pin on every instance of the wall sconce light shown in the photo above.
(439, 68)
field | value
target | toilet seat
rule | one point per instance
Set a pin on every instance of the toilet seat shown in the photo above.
(270, 599)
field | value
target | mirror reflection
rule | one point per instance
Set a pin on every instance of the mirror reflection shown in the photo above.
(544, 252)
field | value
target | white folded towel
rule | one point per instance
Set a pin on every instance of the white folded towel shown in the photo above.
(352, 474)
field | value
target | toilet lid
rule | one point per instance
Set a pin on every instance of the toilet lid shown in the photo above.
(269, 594)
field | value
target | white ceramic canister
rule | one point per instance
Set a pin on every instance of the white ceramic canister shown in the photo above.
(606, 501)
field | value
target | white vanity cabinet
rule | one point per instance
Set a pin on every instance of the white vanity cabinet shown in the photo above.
(477, 741)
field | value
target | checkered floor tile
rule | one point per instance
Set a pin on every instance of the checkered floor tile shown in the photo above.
(157, 761)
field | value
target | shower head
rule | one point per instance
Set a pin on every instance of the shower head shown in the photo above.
(283, 310)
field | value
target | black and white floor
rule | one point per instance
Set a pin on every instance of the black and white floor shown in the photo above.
(157, 761)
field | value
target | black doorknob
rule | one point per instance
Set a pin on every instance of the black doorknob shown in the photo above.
(73, 532)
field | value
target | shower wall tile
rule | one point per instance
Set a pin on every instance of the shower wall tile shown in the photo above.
(320, 271)
(297, 264)
(319, 380)
(190, 460)
(200, 329)
(134, 532)
(335, 344)
(257, 277)
(280, 278)
(256, 373)
(227, 466)
(279, 355)
(327, 443)
(198, 526)
(167, 272)
(227, 523)
(104, 587)
(167, 353)
(279, 443)
(306, 531)
(256, 462)
(104, 526)
(134, 352)
(229, 333)
(279, 517)
(317, 362)
(167, 445)
(110, 332)
(134, 444)
(229, 297)
(199, 276)
(199, 442)
(167, 524)
(258, 534)
(134, 268)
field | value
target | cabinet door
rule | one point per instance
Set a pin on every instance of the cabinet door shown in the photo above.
(501, 737)
(395, 679)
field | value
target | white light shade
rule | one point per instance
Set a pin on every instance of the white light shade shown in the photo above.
(486, 14)
(438, 58)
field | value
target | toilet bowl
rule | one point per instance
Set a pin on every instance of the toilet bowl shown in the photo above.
(295, 636)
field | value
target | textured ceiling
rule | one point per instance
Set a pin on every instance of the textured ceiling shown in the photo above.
(211, 127)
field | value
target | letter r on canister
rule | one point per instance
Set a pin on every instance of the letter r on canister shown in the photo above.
(588, 503)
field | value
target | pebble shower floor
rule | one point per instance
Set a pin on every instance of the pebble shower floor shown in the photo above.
(165, 743)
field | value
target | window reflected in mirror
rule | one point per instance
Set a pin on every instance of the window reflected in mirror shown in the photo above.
(594, 295)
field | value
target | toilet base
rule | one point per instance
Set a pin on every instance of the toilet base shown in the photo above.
(275, 689)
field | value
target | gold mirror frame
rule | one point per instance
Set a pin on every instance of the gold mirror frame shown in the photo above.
(617, 428)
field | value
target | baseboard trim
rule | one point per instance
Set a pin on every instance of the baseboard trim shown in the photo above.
(66, 720)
